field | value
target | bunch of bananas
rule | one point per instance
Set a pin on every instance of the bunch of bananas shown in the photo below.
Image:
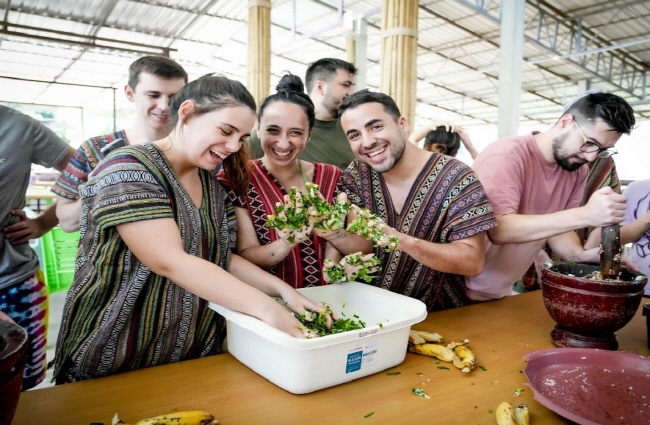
(507, 414)
(194, 417)
(430, 344)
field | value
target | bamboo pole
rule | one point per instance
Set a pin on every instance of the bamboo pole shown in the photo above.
(399, 54)
(259, 49)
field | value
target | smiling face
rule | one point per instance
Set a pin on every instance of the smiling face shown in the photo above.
(211, 137)
(375, 137)
(151, 98)
(568, 143)
(284, 132)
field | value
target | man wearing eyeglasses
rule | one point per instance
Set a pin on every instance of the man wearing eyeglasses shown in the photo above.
(535, 184)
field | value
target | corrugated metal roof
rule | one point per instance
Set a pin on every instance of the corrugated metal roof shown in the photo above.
(92, 42)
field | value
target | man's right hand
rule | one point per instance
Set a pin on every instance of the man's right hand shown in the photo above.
(605, 207)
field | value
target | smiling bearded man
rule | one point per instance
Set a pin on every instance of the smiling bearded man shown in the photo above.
(434, 204)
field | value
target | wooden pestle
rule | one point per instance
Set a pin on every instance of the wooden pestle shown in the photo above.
(610, 251)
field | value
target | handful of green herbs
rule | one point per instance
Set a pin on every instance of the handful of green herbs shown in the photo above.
(353, 267)
(302, 212)
(315, 321)
(370, 226)
(324, 215)
(291, 218)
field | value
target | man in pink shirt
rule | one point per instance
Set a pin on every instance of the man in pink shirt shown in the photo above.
(535, 184)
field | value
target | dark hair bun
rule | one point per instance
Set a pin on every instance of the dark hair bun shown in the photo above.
(290, 82)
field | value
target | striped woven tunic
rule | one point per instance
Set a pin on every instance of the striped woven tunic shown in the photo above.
(446, 203)
(118, 315)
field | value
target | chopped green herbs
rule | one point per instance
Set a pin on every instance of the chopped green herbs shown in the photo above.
(490, 411)
(518, 392)
(369, 414)
(443, 367)
(393, 373)
(420, 374)
(419, 392)
(482, 368)
(371, 227)
(353, 267)
(381, 325)
(316, 322)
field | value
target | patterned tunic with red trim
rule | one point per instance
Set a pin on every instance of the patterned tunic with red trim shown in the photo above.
(446, 203)
(303, 266)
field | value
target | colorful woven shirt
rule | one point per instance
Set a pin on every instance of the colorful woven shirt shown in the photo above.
(119, 315)
(446, 203)
(303, 266)
(82, 164)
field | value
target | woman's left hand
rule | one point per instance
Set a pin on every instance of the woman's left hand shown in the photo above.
(299, 304)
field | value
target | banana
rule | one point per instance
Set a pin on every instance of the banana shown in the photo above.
(464, 358)
(426, 337)
(415, 338)
(433, 350)
(196, 417)
(454, 344)
(506, 414)
(522, 416)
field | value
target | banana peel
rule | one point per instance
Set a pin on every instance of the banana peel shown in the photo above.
(438, 351)
(456, 353)
(522, 415)
(422, 337)
(193, 417)
(507, 414)
(464, 358)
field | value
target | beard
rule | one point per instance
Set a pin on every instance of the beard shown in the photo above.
(331, 105)
(564, 161)
(396, 150)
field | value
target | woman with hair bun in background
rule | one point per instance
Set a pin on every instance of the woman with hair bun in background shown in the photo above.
(285, 121)
(443, 138)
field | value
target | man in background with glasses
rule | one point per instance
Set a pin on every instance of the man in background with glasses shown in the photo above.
(535, 184)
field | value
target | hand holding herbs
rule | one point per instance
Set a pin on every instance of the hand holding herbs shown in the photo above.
(316, 322)
(352, 268)
(302, 212)
(371, 227)
(325, 216)
(291, 219)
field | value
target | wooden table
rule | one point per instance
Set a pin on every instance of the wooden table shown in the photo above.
(41, 195)
(500, 333)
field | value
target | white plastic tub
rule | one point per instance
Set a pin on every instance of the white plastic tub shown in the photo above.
(304, 365)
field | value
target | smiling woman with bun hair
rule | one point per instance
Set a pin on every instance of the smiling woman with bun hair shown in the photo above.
(285, 121)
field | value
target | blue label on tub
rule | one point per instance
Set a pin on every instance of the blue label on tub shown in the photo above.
(354, 361)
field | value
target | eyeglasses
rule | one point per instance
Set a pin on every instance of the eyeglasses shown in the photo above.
(591, 147)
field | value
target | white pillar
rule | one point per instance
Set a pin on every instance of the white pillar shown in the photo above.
(360, 51)
(510, 66)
